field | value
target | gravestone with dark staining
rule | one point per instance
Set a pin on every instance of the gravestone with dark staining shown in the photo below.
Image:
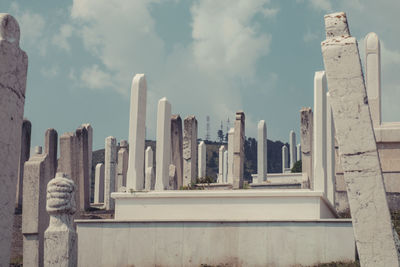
(177, 148)
(189, 150)
(122, 166)
(238, 151)
(24, 156)
(306, 143)
(13, 71)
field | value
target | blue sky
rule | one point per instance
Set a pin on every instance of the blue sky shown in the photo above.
(207, 57)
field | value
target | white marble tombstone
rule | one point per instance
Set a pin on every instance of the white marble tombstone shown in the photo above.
(285, 158)
(373, 76)
(137, 133)
(319, 154)
(231, 133)
(163, 145)
(292, 144)
(262, 152)
(221, 164)
(99, 183)
(202, 163)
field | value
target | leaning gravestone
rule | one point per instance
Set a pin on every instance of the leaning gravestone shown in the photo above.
(13, 70)
(372, 226)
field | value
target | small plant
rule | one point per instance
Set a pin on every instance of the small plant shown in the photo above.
(296, 167)
(205, 180)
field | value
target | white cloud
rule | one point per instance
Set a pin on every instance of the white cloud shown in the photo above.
(324, 5)
(95, 78)
(32, 27)
(310, 36)
(61, 38)
(50, 72)
(203, 78)
(224, 38)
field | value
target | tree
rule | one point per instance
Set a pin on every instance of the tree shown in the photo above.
(220, 136)
(297, 167)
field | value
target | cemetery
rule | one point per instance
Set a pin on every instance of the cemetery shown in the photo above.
(143, 205)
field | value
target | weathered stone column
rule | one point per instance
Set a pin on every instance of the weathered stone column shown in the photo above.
(231, 133)
(221, 163)
(137, 133)
(373, 76)
(285, 158)
(67, 163)
(50, 148)
(13, 69)
(82, 161)
(202, 160)
(122, 167)
(330, 153)
(262, 152)
(177, 148)
(149, 171)
(238, 151)
(99, 183)
(225, 171)
(359, 158)
(319, 146)
(163, 146)
(110, 171)
(306, 141)
(292, 144)
(24, 156)
(298, 152)
(34, 217)
(89, 130)
(189, 150)
(60, 245)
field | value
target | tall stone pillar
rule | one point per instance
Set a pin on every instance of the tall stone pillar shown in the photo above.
(13, 69)
(67, 163)
(359, 158)
(189, 150)
(122, 168)
(285, 158)
(34, 217)
(230, 155)
(89, 129)
(330, 153)
(298, 152)
(163, 146)
(221, 164)
(110, 171)
(202, 157)
(60, 245)
(177, 148)
(225, 171)
(99, 183)
(262, 152)
(149, 169)
(292, 144)
(24, 156)
(50, 148)
(306, 141)
(373, 76)
(238, 151)
(82, 158)
(319, 146)
(137, 133)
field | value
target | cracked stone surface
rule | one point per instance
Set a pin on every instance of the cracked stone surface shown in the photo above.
(13, 70)
(189, 150)
(357, 146)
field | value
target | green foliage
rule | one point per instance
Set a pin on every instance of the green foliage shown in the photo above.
(297, 166)
(220, 134)
(205, 180)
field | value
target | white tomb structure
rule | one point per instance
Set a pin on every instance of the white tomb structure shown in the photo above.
(190, 224)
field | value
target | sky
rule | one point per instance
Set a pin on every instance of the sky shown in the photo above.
(209, 58)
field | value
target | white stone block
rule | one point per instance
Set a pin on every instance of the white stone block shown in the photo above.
(231, 133)
(137, 133)
(110, 171)
(262, 152)
(202, 160)
(99, 183)
(285, 158)
(292, 145)
(163, 146)
(221, 164)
